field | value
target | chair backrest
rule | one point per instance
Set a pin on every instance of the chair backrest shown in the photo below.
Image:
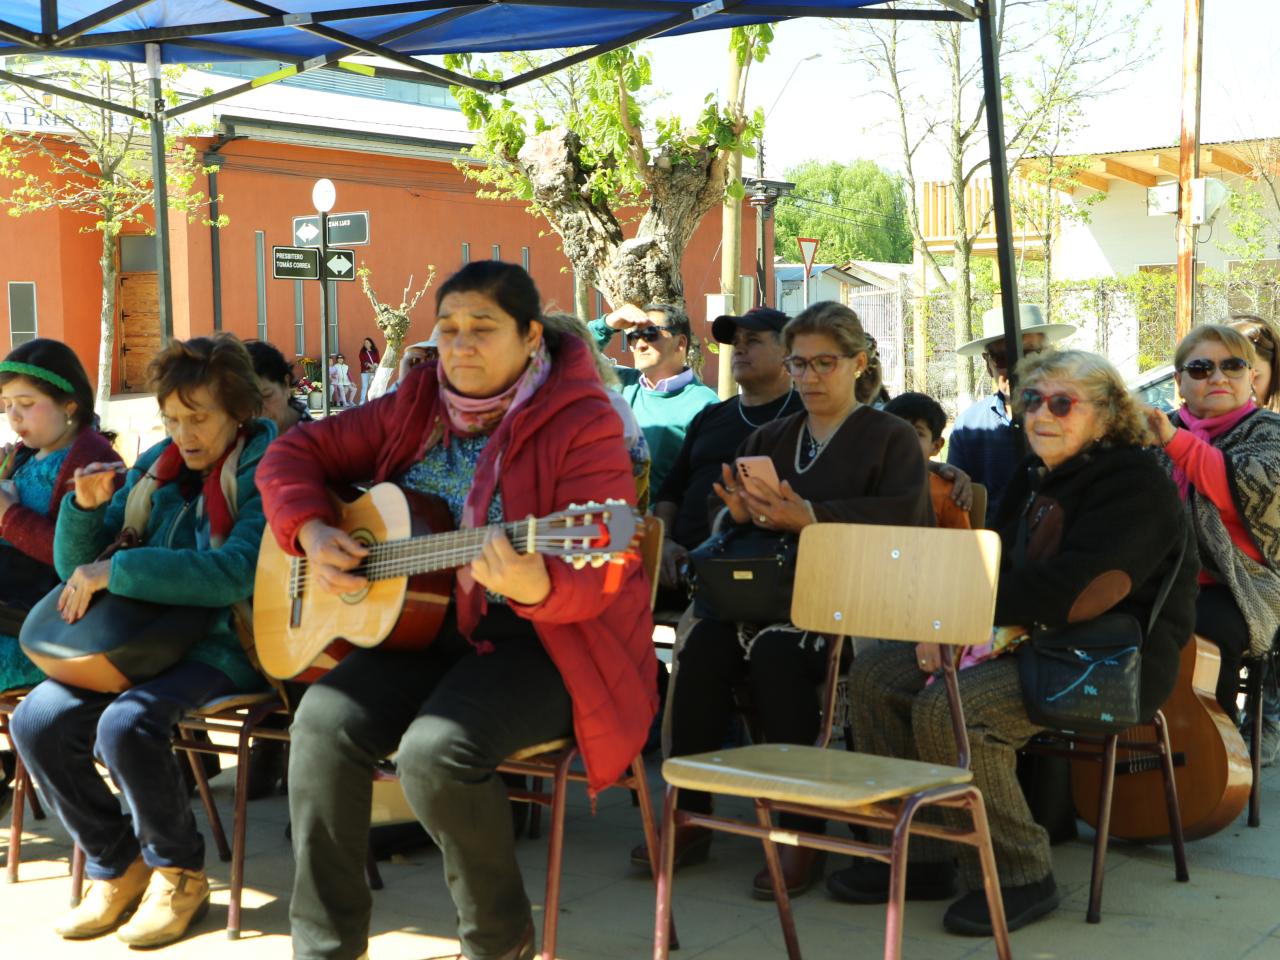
(978, 511)
(920, 584)
(650, 550)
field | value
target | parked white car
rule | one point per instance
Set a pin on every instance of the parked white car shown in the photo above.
(1156, 387)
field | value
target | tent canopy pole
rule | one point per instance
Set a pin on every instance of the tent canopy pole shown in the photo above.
(159, 180)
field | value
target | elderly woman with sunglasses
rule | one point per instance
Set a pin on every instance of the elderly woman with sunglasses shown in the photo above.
(840, 460)
(1223, 452)
(1090, 524)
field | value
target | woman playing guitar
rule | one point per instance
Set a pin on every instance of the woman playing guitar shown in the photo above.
(510, 423)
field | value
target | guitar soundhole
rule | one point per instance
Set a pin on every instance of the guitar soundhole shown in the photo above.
(367, 539)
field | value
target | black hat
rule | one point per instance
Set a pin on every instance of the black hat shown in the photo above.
(757, 318)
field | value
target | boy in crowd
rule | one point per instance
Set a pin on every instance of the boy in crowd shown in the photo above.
(928, 419)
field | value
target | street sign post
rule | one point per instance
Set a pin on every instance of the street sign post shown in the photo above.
(345, 230)
(808, 253)
(295, 263)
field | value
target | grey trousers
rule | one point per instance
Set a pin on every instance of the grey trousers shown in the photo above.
(896, 715)
(454, 715)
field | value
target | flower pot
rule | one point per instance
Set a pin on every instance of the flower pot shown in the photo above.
(315, 400)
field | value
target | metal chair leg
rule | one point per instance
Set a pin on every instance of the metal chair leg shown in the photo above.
(1171, 798)
(651, 841)
(1094, 913)
(666, 874)
(77, 875)
(555, 855)
(20, 788)
(1255, 747)
(210, 808)
(990, 877)
(239, 829)
(534, 828)
(774, 863)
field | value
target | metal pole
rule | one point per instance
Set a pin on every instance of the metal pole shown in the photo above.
(760, 208)
(160, 187)
(991, 90)
(1189, 164)
(324, 312)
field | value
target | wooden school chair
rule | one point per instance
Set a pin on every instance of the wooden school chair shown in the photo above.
(908, 584)
(978, 509)
(23, 791)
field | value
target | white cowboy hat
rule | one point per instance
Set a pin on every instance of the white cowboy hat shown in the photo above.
(1030, 319)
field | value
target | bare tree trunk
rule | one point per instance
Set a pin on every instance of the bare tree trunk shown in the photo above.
(582, 291)
(387, 367)
(106, 319)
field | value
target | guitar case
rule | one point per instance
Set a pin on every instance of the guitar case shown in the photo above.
(118, 643)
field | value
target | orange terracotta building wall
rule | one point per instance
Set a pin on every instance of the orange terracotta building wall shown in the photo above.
(421, 212)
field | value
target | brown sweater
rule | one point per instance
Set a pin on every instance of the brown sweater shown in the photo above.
(871, 471)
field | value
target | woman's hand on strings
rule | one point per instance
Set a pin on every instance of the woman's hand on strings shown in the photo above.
(96, 484)
(331, 554)
(520, 577)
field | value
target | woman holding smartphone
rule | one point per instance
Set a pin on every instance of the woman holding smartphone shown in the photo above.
(841, 461)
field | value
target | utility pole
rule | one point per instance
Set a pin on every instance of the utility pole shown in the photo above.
(1189, 164)
(323, 197)
(730, 242)
(160, 187)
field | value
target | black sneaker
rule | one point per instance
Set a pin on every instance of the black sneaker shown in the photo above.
(867, 881)
(969, 916)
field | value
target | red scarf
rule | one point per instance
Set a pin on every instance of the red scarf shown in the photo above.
(1208, 430)
(169, 465)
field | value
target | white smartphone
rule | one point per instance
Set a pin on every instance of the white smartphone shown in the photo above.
(760, 469)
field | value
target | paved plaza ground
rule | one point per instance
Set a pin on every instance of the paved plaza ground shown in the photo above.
(1229, 910)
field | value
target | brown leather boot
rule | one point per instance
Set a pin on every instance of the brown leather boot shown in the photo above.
(693, 845)
(175, 899)
(106, 905)
(801, 869)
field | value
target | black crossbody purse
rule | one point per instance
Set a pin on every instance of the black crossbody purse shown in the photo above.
(1086, 677)
(744, 574)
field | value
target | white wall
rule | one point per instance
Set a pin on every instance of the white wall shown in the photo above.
(822, 287)
(1119, 236)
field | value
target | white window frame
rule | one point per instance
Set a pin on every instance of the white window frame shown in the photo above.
(35, 309)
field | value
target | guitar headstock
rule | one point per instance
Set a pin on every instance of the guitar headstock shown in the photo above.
(590, 533)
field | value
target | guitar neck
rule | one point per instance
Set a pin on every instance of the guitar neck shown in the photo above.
(439, 551)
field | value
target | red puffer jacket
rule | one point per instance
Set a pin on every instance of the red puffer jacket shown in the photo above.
(566, 448)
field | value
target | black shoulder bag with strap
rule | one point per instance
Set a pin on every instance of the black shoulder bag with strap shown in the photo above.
(1085, 677)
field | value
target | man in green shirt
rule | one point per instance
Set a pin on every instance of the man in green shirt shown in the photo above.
(662, 390)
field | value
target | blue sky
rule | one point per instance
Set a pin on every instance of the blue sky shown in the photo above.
(826, 113)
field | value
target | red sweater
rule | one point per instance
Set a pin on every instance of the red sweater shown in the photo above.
(566, 448)
(1206, 468)
(31, 531)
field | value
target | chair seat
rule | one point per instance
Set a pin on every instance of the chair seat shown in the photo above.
(233, 702)
(809, 775)
(538, 749)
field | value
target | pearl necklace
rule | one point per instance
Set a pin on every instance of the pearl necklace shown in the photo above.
(757, 426)
(812, 445)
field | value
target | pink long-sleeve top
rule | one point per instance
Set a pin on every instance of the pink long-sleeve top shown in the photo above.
(1206, 468)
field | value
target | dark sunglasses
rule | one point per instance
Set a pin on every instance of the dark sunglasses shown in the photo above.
(650, 334)
(999, 357)
(1059, 404)
(1202, 369)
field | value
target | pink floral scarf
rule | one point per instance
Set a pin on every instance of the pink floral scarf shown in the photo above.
(1208, 430)
(470, 417)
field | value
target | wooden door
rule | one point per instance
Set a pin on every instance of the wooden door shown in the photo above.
(139, 328)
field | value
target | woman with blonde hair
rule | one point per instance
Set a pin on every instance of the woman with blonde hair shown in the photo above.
(1090, 524)
(1223, 452)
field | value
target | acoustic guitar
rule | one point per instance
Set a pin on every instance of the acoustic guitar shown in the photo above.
(413, 551)
(1211, 763)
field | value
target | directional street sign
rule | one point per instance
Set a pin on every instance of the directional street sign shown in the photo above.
(295, 263)
(345, 230)
(339, 265)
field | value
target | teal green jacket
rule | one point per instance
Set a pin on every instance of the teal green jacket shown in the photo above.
(664, 417)
(175, 563)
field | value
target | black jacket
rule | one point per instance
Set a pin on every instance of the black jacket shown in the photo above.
(1104, 529)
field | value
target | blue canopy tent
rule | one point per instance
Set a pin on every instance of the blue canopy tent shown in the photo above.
(321, 34)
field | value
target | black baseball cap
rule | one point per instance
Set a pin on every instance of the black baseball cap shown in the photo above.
(757, 318)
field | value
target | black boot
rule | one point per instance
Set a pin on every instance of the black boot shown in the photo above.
(970, 917)
(867, 881)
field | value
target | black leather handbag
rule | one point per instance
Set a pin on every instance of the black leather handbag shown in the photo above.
(1086, 677)
(744, 574)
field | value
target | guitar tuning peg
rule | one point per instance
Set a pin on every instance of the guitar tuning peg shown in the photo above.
(597, 561)
(579, 562)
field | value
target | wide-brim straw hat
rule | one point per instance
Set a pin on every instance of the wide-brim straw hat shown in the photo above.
(1031, 320)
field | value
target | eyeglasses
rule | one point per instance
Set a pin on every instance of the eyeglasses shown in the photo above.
(1202, 369)
(999, 357)
(649, 334)
(822, 364)
(1059, 404)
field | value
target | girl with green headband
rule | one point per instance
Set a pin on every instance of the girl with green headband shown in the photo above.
(48, 401)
